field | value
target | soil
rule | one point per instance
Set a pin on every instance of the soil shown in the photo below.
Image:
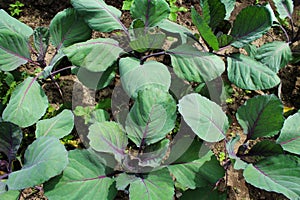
(40, 12)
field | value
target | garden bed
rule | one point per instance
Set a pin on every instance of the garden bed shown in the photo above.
(61, 94)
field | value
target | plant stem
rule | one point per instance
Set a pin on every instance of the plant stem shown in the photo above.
(56, 84)
(151, 55)
(196, 40)
(293, 27)
(60, 70)
(296, 38)
(3, 176)
(223, 48)
(286, 34)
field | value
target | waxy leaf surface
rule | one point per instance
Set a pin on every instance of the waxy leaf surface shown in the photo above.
(26, 98)
(151, 12)
(10, 139)
(193, 65)
(13, 50)
(45, 158)
(279, 174)
(98, 15)
(250, 74)
(84, 178)
(261, 116)
(58, 126)
(250, 24)
(108, 137)
(96, 55)
(205, 117)
(289, 137)
(67, 28)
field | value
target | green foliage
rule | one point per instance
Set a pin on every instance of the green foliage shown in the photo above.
(205, 31)
(91, 115)
(15, 8)
(154, 147)
(250, 74)
(27, 96)
(92, 54)
(174, 9)
(261, 116)
(193, 65)
(14, 25)
(58, 126)
(41, 154)
(86, 170)
(127, 4)
(208, 128)
(275, 174)
(152, 116)
(138, 77)
(250, 24)
(289, 138)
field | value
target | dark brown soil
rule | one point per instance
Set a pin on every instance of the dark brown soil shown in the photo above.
(40, 12)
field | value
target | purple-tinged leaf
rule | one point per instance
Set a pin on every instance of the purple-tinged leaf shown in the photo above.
(84, 178)
(45, 158)
(230, 146)
(10, 139)
(198, 173)
(41, 38)
(261, 116)
(99, 16)
(153, 155)
(152, 117)
(284, 8)
(108, 137)
(13, 50)
(156, 185)
(150, 11)
(205, 117)
(7, 22)
(67, 28)
(193, 65)
(54, 62)
(280, 173)
(96, 55)
(250, 24)
(26, 98)
(289, 137)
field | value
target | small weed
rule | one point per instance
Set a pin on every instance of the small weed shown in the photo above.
(222, 156)
(174, 9)
(15, 8)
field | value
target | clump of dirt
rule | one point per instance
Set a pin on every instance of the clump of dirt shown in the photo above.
(290, 89)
